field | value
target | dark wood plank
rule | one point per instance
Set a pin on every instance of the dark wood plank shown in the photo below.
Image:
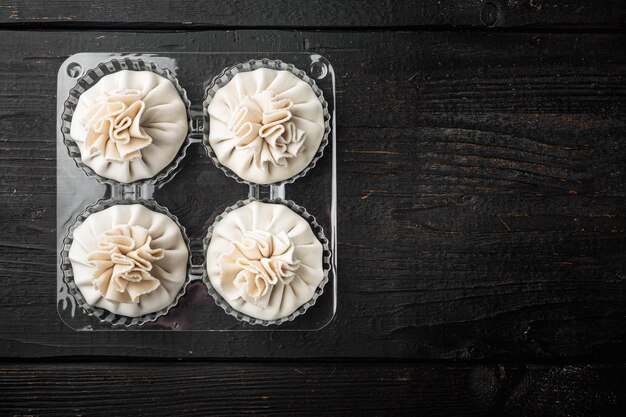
(482, 188)
(164, 14)
(310, 389)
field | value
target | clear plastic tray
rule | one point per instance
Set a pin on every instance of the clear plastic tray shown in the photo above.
(197, 192)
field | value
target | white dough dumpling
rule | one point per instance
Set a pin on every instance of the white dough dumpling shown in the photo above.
(265, 125)
(265, 260)
(129, 260)
(129, 125)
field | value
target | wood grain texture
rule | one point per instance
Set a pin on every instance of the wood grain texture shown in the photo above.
(310, 389)
(481, 181)
(204, 14)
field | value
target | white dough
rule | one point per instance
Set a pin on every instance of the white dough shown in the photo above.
(160, 132)
(170, 269)
(224, 259)
(265, 125)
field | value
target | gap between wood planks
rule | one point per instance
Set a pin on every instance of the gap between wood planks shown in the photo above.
(70, 26)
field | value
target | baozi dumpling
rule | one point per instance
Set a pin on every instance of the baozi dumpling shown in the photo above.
(265, 260)
(129, 260)
(129, 125)
(265, 125)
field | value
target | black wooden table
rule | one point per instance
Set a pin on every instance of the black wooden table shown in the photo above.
(482, 244)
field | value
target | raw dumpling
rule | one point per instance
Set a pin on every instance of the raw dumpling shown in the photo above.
(265, 260)
(129, 260)
(129, 125)
(265, 125)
